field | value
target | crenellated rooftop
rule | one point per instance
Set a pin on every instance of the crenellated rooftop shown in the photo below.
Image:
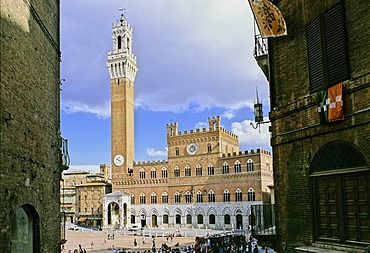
(246, 152)
(143, 163)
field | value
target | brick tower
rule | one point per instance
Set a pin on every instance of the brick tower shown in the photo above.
(122, 69)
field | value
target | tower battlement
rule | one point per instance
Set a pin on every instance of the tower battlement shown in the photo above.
(143, 163)
(247, 152)
(213, 126)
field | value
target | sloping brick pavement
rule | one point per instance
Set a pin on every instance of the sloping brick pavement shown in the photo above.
(101, 244)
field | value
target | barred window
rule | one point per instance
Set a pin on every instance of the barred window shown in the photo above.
(142, 198)
(142, 173)
(164, 172)
(211, 196)
(199, 170)
(225, 168)
(199, 197)
(153, 173)
(177, 197)
(250, 165)
(251, 195)
(226, 195)
(165, 198)
(237, 167)
(176, 172)
(188, 197)
(187, 171)
(153, 198)
(238, 195)
(211, 169)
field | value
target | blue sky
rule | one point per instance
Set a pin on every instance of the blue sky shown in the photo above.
(195, 60)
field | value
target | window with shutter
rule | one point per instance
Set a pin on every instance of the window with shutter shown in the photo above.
(327, 49)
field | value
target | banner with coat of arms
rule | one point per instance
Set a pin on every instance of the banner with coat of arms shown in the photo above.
(269, 19)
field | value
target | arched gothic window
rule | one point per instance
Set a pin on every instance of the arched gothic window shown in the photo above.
(165, 198)
(132, 197)
(177, 197)
(226, 195)
(237, 167)
(176, 172)
(238, 195)
(187, 171)
(225, 168)
(142, 173)
(199, 197)
(211, 196)
(199, 170)
(251, 195)
(164, 172)
(211, 169)
(142, 198)
(250, 165)
(153, 198)
(153, 173)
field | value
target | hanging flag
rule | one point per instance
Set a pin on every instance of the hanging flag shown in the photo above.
(323, 103)
(269, 19)
(330, 104)
(335, 94)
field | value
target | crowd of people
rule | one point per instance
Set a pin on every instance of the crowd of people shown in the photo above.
(232, 243)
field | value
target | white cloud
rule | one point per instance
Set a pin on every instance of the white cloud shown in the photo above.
(251, 138)
(156, 153)
(200, 125)
(192, 54)
(94, 168)
(100, 110)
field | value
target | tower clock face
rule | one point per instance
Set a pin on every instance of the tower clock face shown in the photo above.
(118, 160)
(192, 148)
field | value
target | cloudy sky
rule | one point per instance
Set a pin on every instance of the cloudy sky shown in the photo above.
(195, 60)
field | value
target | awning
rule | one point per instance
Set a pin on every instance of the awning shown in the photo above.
(82, 219)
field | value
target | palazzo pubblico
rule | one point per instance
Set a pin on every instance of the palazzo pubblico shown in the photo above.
(206, 182)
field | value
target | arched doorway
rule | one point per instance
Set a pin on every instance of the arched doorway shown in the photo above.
(178, 219)
(239, 220)
(25, 230)
(113, 215)
(154, 221)
(340, 182)
(143, 220)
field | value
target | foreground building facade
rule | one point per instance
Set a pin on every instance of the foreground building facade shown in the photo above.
(31, 146)
(321, 165)
(207, 182)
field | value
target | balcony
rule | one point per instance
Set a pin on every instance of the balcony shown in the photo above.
(260, 52)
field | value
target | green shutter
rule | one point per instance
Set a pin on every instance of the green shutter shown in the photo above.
(315, 60)
(335, 46)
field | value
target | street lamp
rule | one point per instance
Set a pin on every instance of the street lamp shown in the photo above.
(258, 114)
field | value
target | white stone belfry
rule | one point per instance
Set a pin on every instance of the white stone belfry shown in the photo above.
(121, 61)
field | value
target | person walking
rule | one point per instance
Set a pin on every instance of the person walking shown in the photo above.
(153, 244)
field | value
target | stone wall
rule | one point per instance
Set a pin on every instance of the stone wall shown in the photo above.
(30, 144)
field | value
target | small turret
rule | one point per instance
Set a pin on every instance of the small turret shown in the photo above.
(214, 123)
(172, 129)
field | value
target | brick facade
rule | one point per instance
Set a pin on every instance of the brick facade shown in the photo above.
(30, 133)
(298, 138)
